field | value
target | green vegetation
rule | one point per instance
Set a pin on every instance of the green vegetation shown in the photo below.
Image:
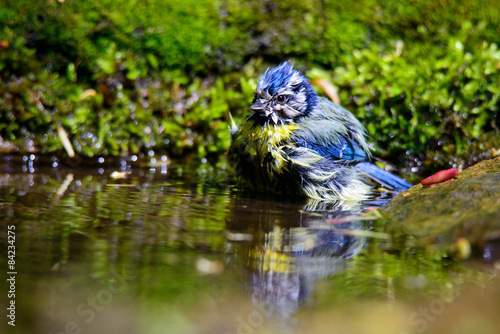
(127, 76)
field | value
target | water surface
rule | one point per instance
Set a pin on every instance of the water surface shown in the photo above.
(123, 248)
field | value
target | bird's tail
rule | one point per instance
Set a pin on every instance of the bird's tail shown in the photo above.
(386, 179)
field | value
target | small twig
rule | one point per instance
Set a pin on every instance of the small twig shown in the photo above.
(64, 186)
(328, 88)
(63, 137)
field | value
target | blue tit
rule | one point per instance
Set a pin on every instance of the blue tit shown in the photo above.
(296, 142)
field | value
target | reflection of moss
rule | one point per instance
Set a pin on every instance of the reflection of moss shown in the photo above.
(403, 267)
(129, 76)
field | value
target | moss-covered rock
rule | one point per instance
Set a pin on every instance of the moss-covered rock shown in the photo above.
(466, 208)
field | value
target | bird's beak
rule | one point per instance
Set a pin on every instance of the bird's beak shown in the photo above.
(257, 106)
(261, 108)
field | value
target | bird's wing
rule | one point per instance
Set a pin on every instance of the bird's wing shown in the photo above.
(341, 149)
(334, 133)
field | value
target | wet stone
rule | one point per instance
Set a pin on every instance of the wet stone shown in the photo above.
(467, 206)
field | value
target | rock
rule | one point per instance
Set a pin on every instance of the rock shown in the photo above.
(467, 206)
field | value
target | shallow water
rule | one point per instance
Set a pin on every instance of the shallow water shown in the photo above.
(161, 249)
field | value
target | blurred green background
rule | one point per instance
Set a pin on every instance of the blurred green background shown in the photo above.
(129, 76)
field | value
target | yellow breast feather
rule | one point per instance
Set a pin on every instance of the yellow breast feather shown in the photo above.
(270, 139)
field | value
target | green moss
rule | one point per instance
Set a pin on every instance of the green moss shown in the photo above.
(414, 97)
(128, 76)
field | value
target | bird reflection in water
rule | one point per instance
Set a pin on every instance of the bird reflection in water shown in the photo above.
(291, 245)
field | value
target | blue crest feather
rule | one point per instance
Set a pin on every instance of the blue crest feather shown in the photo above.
(285, 75)
(278, 77)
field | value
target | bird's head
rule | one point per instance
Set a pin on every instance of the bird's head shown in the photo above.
(283, 95)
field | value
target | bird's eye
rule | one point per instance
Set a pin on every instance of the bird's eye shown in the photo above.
(281, 98)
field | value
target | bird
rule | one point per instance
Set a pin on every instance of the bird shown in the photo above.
(295, 142)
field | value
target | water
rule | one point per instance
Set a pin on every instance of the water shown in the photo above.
(115, 248)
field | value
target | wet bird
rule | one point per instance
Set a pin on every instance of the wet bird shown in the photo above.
(296, 142)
